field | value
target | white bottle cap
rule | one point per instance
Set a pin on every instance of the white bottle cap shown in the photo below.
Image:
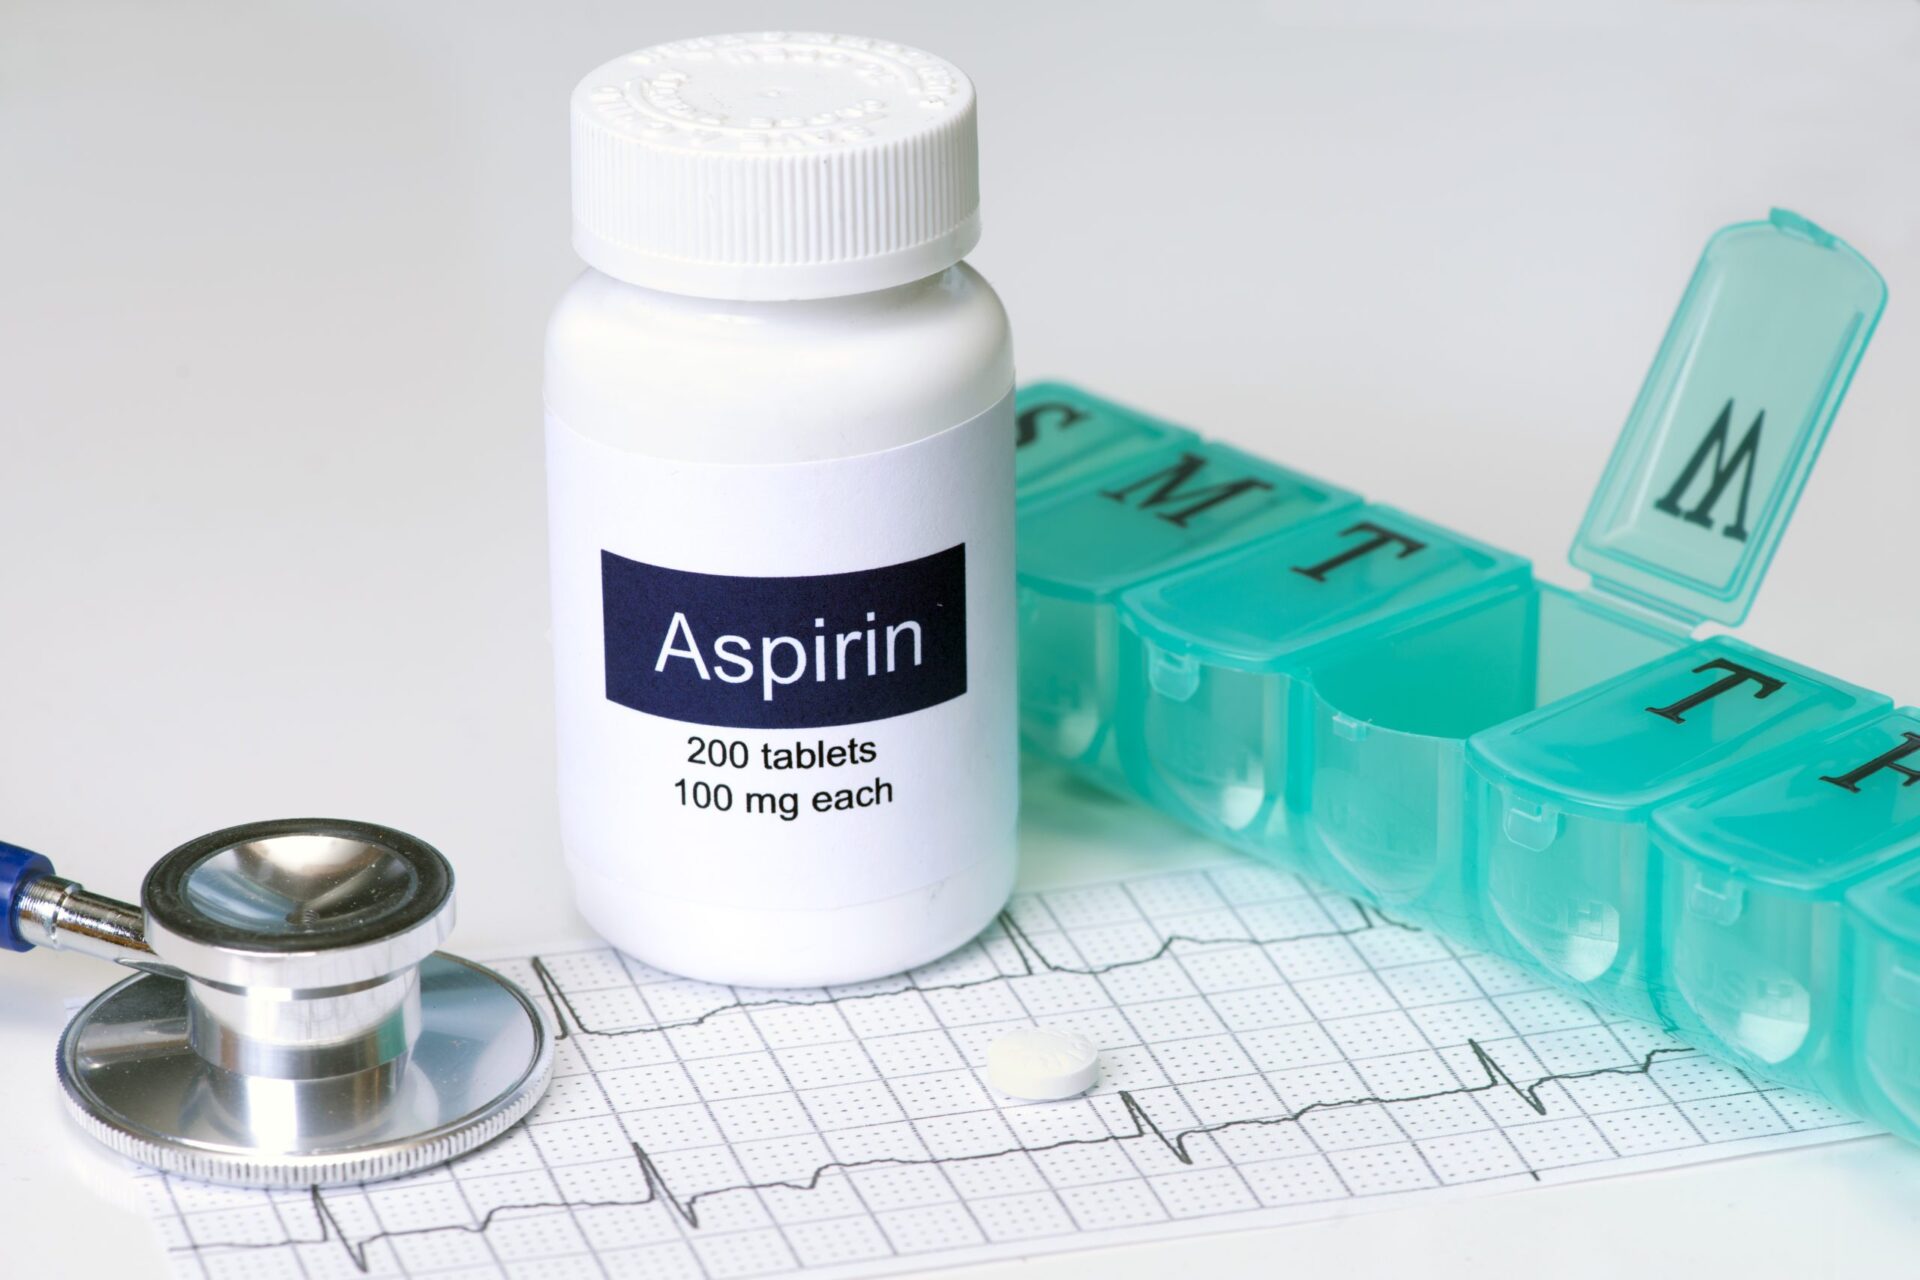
(1042, 1064)
(773, 166)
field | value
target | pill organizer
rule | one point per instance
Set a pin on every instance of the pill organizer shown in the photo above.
(1685, 828)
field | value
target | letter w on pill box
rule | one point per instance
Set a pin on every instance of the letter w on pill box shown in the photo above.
(1356, 693)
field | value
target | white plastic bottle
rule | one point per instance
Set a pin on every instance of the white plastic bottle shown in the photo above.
(780, 467)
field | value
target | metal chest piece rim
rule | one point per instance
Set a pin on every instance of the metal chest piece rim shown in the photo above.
(302, 1030)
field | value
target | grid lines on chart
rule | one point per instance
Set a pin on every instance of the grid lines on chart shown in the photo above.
(1270, 1052)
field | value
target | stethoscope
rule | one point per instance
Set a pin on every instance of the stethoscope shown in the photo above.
(292, 1023)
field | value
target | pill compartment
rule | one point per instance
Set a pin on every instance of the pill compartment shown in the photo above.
(1752, 874)
(1562, 798)
(1489, 756)
(1213, 699)
(1683, 525)
(1082, 545)
(1063, 434)
(1390, 721)
(1883, 932)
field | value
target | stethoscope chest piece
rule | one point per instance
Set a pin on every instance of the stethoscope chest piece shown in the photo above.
(297, 1025)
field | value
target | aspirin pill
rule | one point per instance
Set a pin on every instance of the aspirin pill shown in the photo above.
(1042, 1065)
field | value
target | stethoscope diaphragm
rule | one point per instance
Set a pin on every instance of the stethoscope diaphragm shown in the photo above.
(294, 1023)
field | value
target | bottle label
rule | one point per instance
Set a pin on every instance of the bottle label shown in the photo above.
(788, 684)
(785, 653)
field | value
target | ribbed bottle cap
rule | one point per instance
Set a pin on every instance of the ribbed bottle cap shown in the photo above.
(775, 165)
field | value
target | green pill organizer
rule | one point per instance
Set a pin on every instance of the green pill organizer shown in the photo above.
(1694, 831)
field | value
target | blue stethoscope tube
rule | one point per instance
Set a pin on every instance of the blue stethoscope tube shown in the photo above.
(18, 869)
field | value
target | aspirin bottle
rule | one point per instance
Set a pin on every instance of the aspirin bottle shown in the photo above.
(780, 466)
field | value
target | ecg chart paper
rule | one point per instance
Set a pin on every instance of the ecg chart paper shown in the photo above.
(1271, 1053)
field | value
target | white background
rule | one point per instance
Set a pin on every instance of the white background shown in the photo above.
(272, 281)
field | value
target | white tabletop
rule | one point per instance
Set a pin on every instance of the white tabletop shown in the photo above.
(272, 282)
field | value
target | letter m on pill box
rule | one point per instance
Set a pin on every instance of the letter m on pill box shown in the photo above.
(785, 653)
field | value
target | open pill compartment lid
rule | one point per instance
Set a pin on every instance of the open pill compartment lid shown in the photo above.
(1730, 419)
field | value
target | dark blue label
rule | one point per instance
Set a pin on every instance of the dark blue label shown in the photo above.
(785, 653)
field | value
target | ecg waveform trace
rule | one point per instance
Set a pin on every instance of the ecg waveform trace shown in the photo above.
(1255, 996)
(1032, 962)
(1143, 1126)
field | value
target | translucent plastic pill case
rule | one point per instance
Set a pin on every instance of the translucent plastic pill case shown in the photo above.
(1692, 830)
